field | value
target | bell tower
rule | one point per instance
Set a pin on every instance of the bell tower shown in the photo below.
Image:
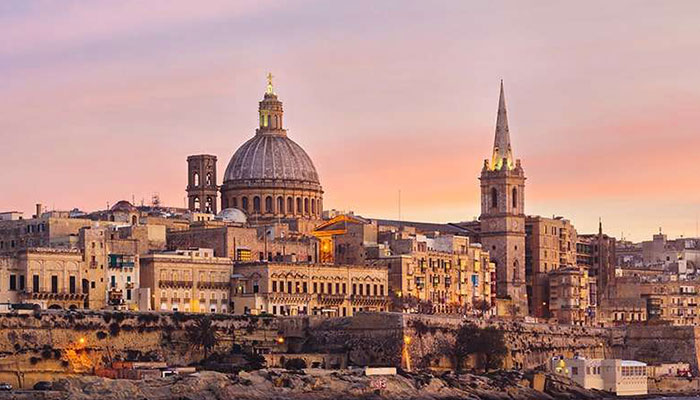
(502, 214)
(202, 191)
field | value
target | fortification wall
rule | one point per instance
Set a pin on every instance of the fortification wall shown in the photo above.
(657, 344)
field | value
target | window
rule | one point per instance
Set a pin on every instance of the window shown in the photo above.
(13, 282)
(515, 198)
(208, 178)
(21, 282)
(494, 198)
(54, 284)
(234, 202)
(112, 281)
(256, 204)
(71, 284)
(306, 205)
(313, 206)
(244, 203)
(195, 179)
(128, 294)
(274, 286)
(290, 205)
(35, 283)
(268, 204)
(280, 205)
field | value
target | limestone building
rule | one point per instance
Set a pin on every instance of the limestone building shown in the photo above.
(502, 220)
(308, 289)
(550, 244)
(191, 280)
(568, 296)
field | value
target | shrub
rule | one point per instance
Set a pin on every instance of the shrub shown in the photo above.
(295, 364)
(114, 329)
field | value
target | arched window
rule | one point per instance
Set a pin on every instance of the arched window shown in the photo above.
(313, 206)
(280, 205)
(209, 205)
(256, 204)
(290, 205)
(319, 207)
(494, 197)
(298, 205)
(195, 179)
(244, 203)
(208, 178)
(306, 205)
(196, 204)
(268, 204)
(516, 271)
(515, 198)
(234, 202)
(134, 220)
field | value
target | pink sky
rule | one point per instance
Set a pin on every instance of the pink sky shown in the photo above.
(102, 101)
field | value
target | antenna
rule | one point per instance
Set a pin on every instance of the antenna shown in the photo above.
(399, 205)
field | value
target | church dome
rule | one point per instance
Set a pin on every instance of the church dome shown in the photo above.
(123, 206)
(270, 177)
(271, 157)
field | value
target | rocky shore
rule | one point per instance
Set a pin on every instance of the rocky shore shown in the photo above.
(316, 385)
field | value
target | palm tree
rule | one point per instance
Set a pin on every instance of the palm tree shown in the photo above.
(203, 335)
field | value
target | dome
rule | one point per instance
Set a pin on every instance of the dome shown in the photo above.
(232, 215)
(271, 157)
(123, 206)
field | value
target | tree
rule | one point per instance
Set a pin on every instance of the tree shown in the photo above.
(513, 310)
(465, 344)
(482, 306)
(488, 344)
(203, 335)
(493, 348)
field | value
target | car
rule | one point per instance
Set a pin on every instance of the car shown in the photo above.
(43, 385)
(5, 386)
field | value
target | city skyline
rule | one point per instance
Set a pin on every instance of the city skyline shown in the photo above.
(107, 110)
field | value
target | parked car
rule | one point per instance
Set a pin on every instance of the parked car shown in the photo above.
(43, 385)
(5, 386)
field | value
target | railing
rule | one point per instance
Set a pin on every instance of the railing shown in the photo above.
(327, 298)
(175, 284)
(61, 295)
(213, 285)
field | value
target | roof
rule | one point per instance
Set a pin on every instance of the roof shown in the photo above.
(448, 228)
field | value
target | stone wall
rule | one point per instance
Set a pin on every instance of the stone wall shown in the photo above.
(657, 344)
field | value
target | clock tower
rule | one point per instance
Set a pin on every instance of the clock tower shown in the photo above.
(502, 217)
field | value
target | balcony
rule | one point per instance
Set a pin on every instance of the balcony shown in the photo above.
(93, 264)
(175, 284)
(369, 300)
(212, 285)
(61, 296)
(331, 299)
(295, 298)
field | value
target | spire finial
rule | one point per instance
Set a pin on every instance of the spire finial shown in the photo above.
(270, 89)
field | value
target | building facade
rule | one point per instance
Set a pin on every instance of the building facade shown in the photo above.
(202, 190)
(187, 280)
(308, 289)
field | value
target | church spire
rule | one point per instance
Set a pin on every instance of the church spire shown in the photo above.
(502, 152)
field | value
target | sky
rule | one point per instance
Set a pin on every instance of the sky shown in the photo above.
(102, 101)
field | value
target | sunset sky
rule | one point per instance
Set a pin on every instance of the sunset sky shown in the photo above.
(102, 101)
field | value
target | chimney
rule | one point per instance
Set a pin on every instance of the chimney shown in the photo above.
(38, 210)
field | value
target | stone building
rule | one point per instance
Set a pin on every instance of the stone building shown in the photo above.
(429, 272)
(191, 280)
(308, 288)
(502, 220)
(597, 252)
(568, 295)
(550, 244)
(49, 277)
(270, 177)
(236, 240)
